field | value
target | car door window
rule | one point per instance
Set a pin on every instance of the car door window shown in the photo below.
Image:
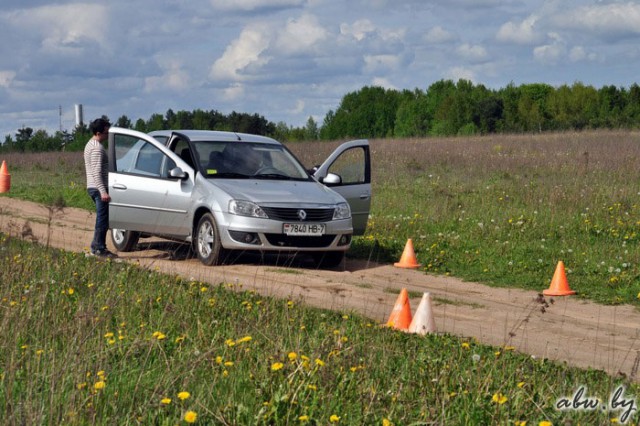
(139, 157)
(350, 166)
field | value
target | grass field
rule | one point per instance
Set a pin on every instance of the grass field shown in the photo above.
(85, 342)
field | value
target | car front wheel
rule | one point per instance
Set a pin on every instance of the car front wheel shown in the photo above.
(207, 242)
(124, 240)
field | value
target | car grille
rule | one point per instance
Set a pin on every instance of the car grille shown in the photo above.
(281, 240)
(291, 214)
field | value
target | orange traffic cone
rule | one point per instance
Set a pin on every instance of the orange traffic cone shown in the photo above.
(408, 259)
(423, 321)
(400, 317)
(5, 178)
(559, 285)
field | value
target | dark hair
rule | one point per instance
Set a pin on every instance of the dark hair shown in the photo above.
(99, 125)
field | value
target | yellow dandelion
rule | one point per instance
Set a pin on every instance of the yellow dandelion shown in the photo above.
(545, 423)
(228, 364)
(243, 340)
(499, 398)
(521, 384)
(179, 339)
(230, 342)
(290, 303)
(101, 374)
(190, 416)
(108, 335)
(99, 385)
(292, 356)
(276, 366)
(312, 387)
(466, 345)
(82, 385)
(386, 422)
(509, 348)
(218, 359)
(303, 418)
(183, 395)
(165, 401)
(319, 362)
(334, 418)
(71, 291)
(521, 423)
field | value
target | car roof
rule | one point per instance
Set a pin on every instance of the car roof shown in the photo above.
(216, 135)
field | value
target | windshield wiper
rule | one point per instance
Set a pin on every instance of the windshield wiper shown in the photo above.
(229, 175)
(277, 176)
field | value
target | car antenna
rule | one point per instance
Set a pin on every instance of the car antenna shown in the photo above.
(237, 136)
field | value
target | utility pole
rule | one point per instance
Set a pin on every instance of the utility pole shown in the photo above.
(60, 114)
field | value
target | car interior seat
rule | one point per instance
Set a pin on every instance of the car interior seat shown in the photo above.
(216, 162)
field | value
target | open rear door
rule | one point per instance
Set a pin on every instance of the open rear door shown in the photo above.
(351, 162)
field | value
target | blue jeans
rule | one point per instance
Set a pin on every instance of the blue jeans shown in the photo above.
(102, 221)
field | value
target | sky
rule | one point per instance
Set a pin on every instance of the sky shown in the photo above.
(289, 60)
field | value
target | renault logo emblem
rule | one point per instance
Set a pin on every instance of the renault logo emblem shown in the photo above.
(302, 215)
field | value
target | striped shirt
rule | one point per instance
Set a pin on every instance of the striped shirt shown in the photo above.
(96, 166)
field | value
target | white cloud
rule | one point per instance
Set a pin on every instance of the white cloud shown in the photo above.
(473, 53)
(243, 52)
(250, 5)
(64, 28)
(374, 63)
(174, 78)
(234, 92)
(6, 77)
(549, 53)
(612, 20)
(437, 35)
(519, 33)
(383, 82)
(460, 73)
(579, 53)
(359, 30)
(299, 35)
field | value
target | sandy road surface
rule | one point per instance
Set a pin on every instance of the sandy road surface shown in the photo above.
(581, 333)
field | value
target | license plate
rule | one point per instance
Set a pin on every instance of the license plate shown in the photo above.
(304, 228)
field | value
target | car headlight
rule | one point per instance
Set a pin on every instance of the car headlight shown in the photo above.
(342, 211)
(246, 208)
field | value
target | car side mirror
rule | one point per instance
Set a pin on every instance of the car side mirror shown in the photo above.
(177, 173)
(331, 179)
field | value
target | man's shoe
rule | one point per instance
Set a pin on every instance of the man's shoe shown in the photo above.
(104, 254)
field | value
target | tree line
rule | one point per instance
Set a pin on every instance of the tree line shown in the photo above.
(446, 108)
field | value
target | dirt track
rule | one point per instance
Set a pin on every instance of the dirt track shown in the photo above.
(581, 333)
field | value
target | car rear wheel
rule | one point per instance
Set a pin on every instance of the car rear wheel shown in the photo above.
(124, 240)
(207, 242)
(328, 259)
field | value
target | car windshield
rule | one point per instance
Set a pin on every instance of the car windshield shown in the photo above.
(237, 160)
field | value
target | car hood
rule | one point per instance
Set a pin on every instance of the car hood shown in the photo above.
(278, 191)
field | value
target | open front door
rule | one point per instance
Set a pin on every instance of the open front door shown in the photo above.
(348, 172)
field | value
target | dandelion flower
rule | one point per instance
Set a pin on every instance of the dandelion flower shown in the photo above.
(190, 416)
(319, 362)
(243, 339)
(334, 418)
(386, 422)
(183, 395)
(165, 401)
(466, 345)
(292, 356)
(276, 366)
(303, 418)
(545, 423)
(99, 385)
(499, 398)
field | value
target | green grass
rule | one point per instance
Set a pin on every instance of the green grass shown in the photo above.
(91, 342)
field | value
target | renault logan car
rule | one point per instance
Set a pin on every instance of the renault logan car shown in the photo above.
(225, 191)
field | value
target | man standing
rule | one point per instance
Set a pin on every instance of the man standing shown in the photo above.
(96, 166)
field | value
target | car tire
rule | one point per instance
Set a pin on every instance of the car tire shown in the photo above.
(328, 259)
(207, 243)
(124, 240)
